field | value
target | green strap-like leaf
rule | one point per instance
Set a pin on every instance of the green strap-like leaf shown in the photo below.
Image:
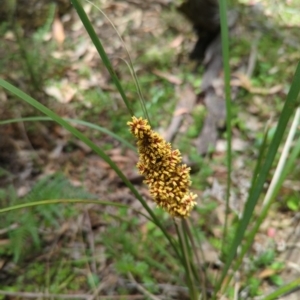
(87, 124)
(289, 107)
(284, 290)
(17, 92)
(56, 201)
(225, 54)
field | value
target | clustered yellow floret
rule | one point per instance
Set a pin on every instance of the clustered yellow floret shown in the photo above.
(167, 178)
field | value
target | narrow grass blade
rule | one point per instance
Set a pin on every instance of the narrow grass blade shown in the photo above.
(261, 154)
(87, 124)
(28, 66)
(56, 201)
(290, 164)
(190, 263)
(139, 90)
(288, 109)
(186, 262)
(96, 41)
(198, 251)
(129, 64)
(225, 52)
(95, 148)
(284, 290)
(195, 266)
(283, 159)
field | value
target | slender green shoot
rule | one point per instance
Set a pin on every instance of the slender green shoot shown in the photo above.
(283, 159)
(24, 54)
(261, 154)
(56, 201)
(130, 64)
(96, 41)
(186, 261)
(87, 124)
(288, 109)
(283, 290)
(197, 268)
(17, 92)
(137, 85)
(225, 52)
(289, 164)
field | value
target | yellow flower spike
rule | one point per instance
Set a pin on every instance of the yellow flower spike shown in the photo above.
(167, 178)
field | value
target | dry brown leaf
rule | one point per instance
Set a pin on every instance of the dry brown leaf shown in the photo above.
(237, 145)
(64, 228)
(266, 91)
(63, 94)
(275, 89)
(80, 50)
(68, 93)
(177, 41)
(4, 242)
(181, 111)
(54, 92)
(23, 190)
(208, 254)
(243, 81)
(169, 77)
(185, 105)
(9, 36)
(144, 231)
(58, 31)
(266, 273)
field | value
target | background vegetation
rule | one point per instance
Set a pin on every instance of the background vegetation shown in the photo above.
(115, 248)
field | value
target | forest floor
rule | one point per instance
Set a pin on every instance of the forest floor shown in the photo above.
(87, 251)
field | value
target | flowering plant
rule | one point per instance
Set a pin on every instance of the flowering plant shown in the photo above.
(167, 178)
